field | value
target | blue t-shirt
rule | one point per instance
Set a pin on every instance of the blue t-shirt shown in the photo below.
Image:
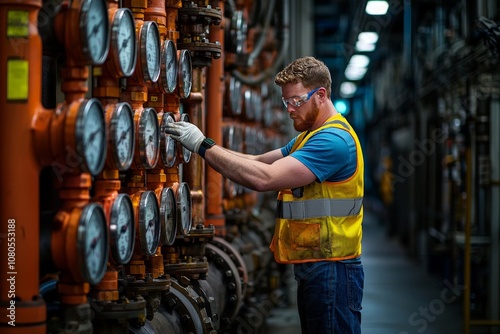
(330, 154)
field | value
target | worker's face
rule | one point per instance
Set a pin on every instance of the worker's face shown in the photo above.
(306, 114)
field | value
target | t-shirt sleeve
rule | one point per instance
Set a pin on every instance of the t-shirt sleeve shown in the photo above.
(285, 150)
(330, 154)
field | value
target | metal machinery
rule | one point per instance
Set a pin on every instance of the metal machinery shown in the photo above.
(436, 139)
(107, 225)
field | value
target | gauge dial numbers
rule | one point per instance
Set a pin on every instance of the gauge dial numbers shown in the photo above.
(184, 209)
(123, 46)
(168, 146)
(122, 229)
(92, 243)
(185, 74)
(121, 136)
(148, 221)
(149, 52)
(185, 153)
(93, 30)
(168, 217)
(88, 134)
(169, 66)
(148, 138)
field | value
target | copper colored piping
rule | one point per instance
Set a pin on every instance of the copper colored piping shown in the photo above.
(194, 170)
(19, 173)
(214, 97)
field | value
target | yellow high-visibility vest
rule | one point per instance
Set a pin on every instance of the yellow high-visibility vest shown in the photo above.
(325, 223)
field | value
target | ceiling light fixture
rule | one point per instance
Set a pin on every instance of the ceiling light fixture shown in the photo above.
(377, 7)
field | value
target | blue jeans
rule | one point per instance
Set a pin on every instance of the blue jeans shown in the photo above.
(329, 296)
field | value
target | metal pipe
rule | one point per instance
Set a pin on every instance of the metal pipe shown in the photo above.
(22, 309)
(214, 98)
(270, 71)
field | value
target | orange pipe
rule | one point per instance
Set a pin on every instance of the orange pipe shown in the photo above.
(214, 97)
(20, 78)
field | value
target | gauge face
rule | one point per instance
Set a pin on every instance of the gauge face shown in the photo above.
(121, 136)
(148, 138)
(186, 154)
(122, 229)
(168, 146)
(168, 217)
(185, 74)
(169, 66)
(184, 205)
(90, 136)
(123, 44)
(94, 30)
(92, 243)
(149, 223)
(150, 51)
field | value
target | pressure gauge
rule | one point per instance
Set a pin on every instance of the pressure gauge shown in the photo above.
(90, 136)
(169, 66)
(92, 243)
(94, 30)
(122, 229)
(123, 44)
(235, 96)
(121, 136)
(185, 74)
(186, 154)
(168, 146)
(148, 138)
(184, 209)
(148, 220)
(149, 41)
(168, 217)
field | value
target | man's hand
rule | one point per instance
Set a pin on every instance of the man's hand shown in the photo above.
(187, 134)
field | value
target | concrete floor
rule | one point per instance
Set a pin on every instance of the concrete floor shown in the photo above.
(400, 297)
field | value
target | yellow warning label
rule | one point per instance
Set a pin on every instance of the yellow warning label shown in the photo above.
(17, 23)
(17, 79)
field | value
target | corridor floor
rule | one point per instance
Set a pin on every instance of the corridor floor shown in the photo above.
(400, 297)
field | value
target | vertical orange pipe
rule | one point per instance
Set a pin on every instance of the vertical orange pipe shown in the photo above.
(214, 98)
(20, 98)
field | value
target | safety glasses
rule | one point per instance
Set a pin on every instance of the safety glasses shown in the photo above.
(297, 101)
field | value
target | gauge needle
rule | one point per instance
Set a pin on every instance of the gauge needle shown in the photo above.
(95, 29)
(124, 44)
(123, 230)
(150, 224)
(93, 135)
(94, 242)
(123, 135)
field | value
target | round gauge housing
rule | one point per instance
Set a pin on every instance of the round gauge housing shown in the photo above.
(149, 51)
(168, 146)
(148, 221)
(186, 154)
(148, 138)
(184, 209)
(235, 96)
(168, 217)
(92, 243)
(123, 46)
(249, 99)
(169, 66)
(90, 136)
(122, 229)
(121, 136)
(185, 74)
(94, 31)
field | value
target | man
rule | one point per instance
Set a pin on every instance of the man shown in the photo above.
(320, 177)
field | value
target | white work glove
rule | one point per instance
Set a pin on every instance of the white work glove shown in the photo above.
(187, 134)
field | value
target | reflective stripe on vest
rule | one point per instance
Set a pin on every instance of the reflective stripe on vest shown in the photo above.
(321, 207)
